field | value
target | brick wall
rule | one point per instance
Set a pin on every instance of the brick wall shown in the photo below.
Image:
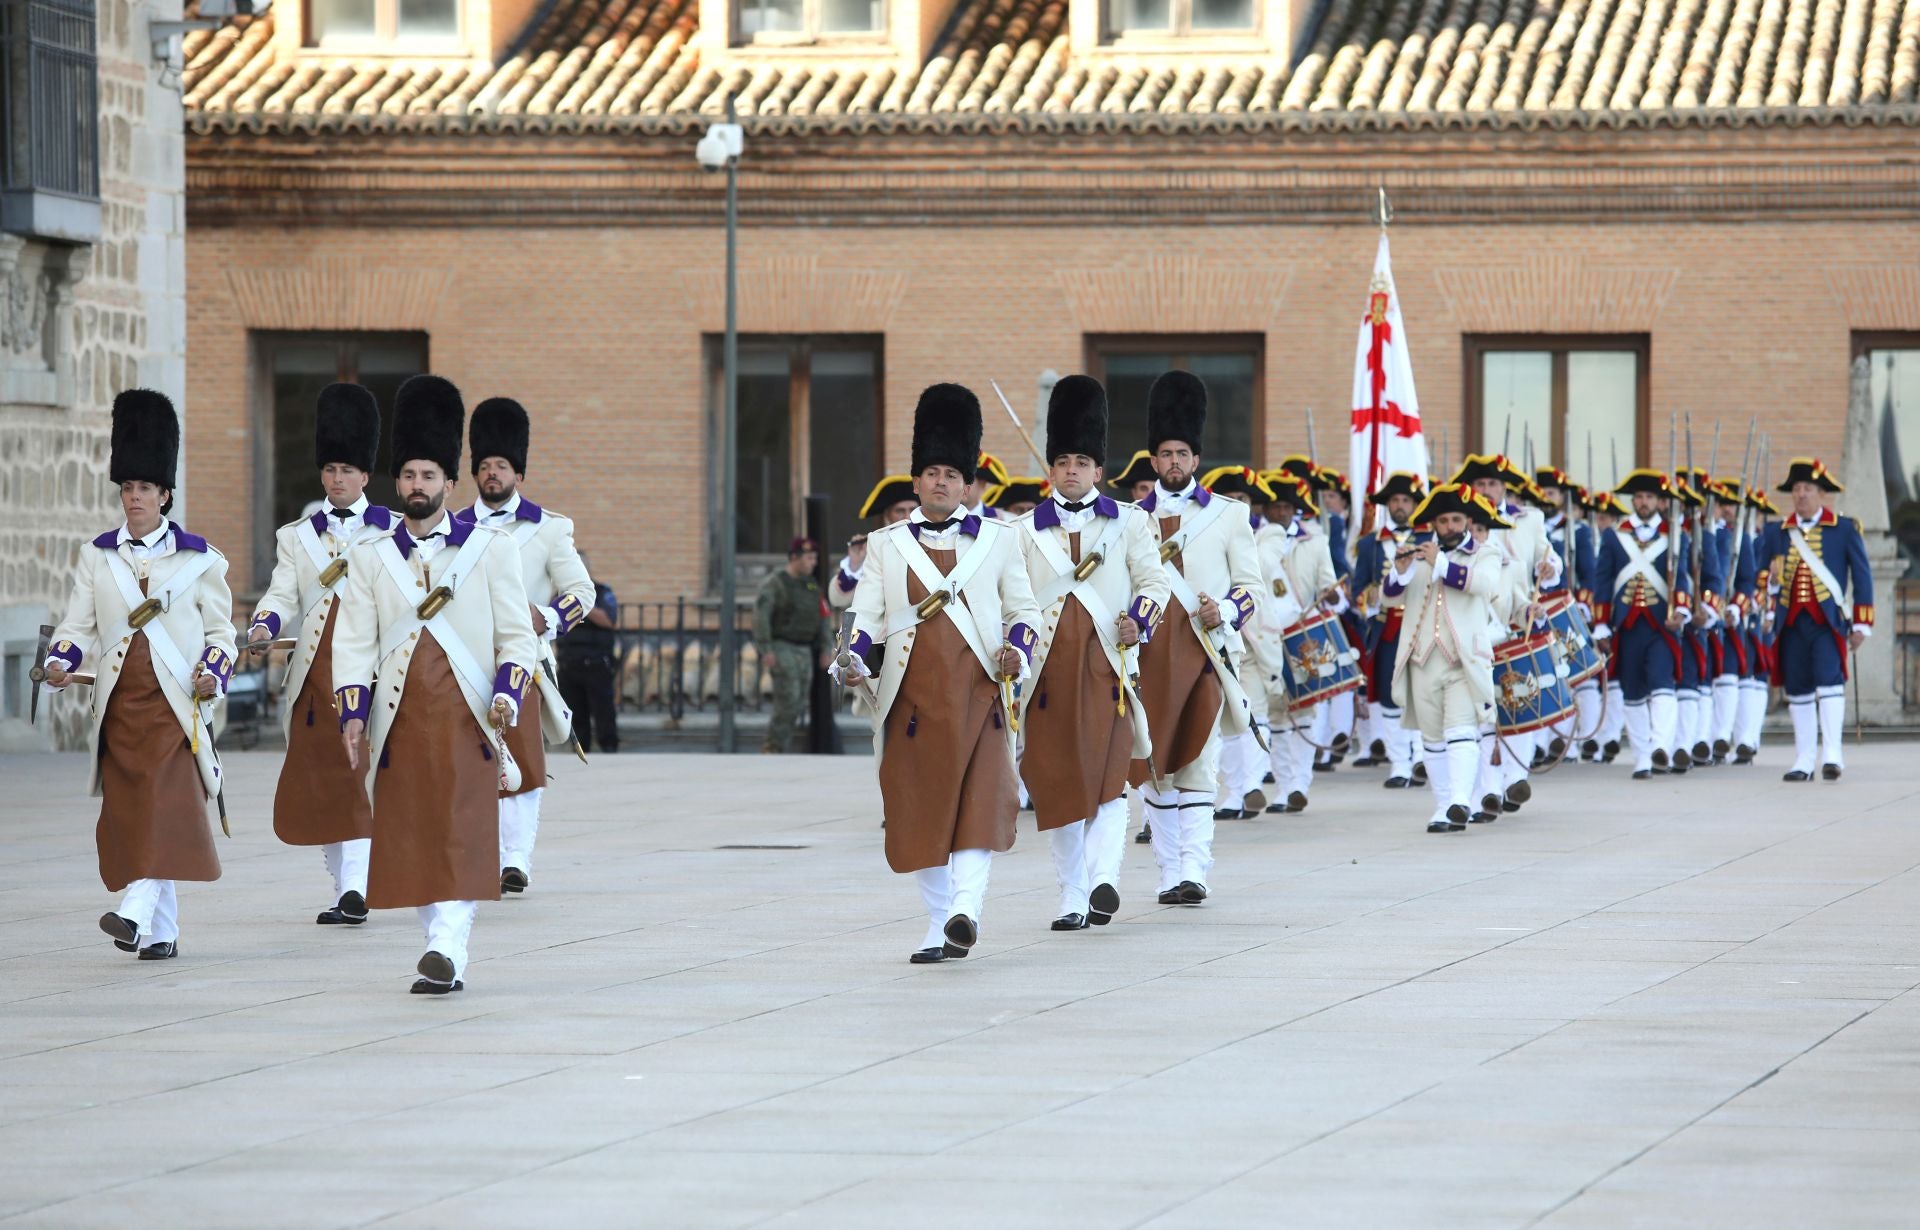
(598, 330)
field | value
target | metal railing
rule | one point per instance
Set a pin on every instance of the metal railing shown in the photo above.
(667, 659)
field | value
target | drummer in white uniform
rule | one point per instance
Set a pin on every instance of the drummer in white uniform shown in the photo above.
(1296, 565)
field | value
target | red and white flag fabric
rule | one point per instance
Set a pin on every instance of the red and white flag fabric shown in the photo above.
(1386, 411)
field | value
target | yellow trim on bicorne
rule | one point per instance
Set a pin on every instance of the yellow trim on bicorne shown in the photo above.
(866, 509)
(994, 467)
(1863, 615)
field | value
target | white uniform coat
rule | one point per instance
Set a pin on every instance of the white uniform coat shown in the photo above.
(1302, 565)
(556, 581)
(1221, 563)
(1460, 615)
(199, 620)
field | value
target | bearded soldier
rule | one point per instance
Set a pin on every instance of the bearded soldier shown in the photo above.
(1094, 567)
(1443, 664)
(1642, 593)
(559, 597)
(1819, 558)
(945, 593)
(321, 800)
(151, 611)
(436, 608)
(1189, 670)
(1298, 566)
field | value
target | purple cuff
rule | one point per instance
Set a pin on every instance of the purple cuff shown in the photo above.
(572, 614)
(861, 645)
(1455, 576)
(511, 680)
(67, 654)
(1145, 612)
(1242, 603)
(354, 701)
(1391, 588)
(845, 582)
(269, 621)
(1024, 639)
(218, 663)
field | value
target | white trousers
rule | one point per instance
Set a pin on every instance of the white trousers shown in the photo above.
(448, 924)
(1291, 751)
(1819, 724)
(347, 864)
(519, 825)
(1403, 745)
(1589, 709)
(959, 887)
(1753, 711)
(154, 907)
(1651, 724)
(1452, 766)
(1240, 770)
(1726, 708)
(1182, 823)
(1089, 852)
(1340, 715)
(1613, 718)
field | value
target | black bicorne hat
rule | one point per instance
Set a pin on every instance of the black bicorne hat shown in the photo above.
(1139, 470)
(946, 430)
(346, 427)
(1400, 482)
(1077, 419)
(427, 417)
(1176, 410)
(1809, 470)
(146, 439)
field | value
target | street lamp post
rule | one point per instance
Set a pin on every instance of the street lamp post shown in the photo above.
(718, 150)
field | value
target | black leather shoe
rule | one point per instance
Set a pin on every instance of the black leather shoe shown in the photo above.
(1145, 836)
(1170, 896)
(1365, 762)
(353, 906)
(1830, 771)
(1610, 750)
(928, 956)
(1539, 759)
(1660, 758)
(1377, 749)
(1325, 766)
(953, 952)
(165, 950)
(1520, 792)
(125, 935)
(1508, 806)
(1276, 809)
(1590, 750)
(1702, 754)
(1743, 754)
(1720, 749)
(1489, 802)
(1556, 749)
(1254, 802)
(1795, 775)
(1102, 904)
(1419, 775)
(1191, 893)
(427, 986)
(1682, 760)
(513, 880)
(1444, 826)
(1267, 780)
(1643, 775)
(962, 932)
(1397, 783)
(1070, 922)
(1457, 815)
(1482, 818)
(336, 918)
(436, 967)
(1296, 801)
(1226, 813)
(1340, 745)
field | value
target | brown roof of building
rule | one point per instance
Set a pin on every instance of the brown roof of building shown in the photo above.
(588, 64)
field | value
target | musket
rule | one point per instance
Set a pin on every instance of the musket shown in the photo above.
(1613, 446)
(1673, 513)
(1506, 436)
(1698, 553)
(1313, 448)
(1020, 427)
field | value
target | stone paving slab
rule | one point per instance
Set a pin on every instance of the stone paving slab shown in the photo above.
(1686, 1002)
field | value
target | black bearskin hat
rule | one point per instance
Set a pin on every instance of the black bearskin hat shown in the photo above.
(427, 418)
(1176, 410)
(346, 427)
(146, 439)
(946, 430)
(498, 429)
(1077, 419)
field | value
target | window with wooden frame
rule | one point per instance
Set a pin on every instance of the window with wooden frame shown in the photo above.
(289, 370)
(406, 25)
(809, 424)
(1566, 395)
(790, 22)
(1233, 365)
(1151, 19)
(1893, 393)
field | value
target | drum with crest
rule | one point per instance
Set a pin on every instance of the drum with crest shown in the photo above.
(1572, 638)
(1530, 689)
(1320, 661)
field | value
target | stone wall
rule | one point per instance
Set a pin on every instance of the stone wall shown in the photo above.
(81, 323)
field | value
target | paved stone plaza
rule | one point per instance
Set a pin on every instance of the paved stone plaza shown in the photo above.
(1602, 1012)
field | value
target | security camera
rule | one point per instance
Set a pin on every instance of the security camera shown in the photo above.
(721, 145)
(234, 8)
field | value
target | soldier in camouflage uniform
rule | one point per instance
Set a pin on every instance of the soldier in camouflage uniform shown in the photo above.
(790, 626)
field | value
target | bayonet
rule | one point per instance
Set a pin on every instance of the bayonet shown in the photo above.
(1313, 448)
(1020, 427)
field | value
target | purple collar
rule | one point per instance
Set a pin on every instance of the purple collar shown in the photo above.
(458, 532)
(969, 525)
(1201, 498)
(526, 511)
(182, 541)
(1047, 516)
(376, 516)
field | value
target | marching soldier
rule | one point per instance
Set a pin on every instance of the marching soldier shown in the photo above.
(436, 608)
(1818, 558)
(938, 590)
(988, 473)
(1397, 497)
(892, 499)
(1244, 758)
(1095, 571)
(1135, 483)
(1641, 600)
(1297, 564)
(1191, 688)
(1448, 585)
(1607, 512)
(1691, 745)
(1572, 541)
(321, 800)
(1756, 683)
(789, 625)
(1731, 646)
(1017, 496)
(145, 596)
(559, 597)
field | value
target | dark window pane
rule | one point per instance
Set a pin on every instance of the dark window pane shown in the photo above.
(428, 19)
(300, 371)
(1141, 15)
(1230, 380)
(850, 16)
(1128, 378)
(771, 17)
(343, 19)
(1223, 14)
(843, 458)
(764, 472)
